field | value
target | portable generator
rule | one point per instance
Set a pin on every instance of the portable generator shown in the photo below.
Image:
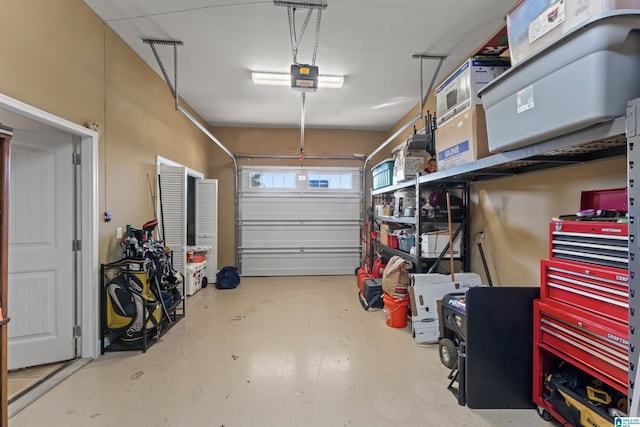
(452, 344)
(453, 327)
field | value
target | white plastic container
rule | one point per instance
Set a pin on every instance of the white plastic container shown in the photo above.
(433, 243)
(584, 78)
(195, 275)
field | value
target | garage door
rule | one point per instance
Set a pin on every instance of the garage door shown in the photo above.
(298, 222)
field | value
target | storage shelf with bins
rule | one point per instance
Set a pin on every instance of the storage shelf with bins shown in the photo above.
(420, 221)
(609, 139)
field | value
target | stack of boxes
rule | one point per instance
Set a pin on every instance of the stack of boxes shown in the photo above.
(461, 136)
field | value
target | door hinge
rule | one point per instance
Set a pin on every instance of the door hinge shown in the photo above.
(77, 331)
(76, 159)
(76, 245)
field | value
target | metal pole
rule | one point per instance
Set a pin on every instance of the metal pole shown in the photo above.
(484, 264)
(302, 128)
(267, 156)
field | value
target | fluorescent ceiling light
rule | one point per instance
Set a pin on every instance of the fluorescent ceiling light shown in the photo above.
(284, 79)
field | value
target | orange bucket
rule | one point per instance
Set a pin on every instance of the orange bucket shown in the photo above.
(395, 311)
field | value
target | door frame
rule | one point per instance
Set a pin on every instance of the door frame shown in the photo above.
(87, 271)
(163, 161)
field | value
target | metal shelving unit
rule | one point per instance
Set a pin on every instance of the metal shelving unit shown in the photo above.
(423, 264)
(633, 176)
(597, 142)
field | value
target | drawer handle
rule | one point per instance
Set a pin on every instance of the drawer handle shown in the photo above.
(579, 324)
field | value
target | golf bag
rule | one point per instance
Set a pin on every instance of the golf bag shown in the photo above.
(144, 291)
(131, 307)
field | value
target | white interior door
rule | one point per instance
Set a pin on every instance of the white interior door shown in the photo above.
(173, 181)
(207, 222)
(41, 279)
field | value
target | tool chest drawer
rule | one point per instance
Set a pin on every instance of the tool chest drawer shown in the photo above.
(592, 242)
(595, 345)
(601, 290)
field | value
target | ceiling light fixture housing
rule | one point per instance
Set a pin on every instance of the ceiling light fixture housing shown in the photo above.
(284, 79)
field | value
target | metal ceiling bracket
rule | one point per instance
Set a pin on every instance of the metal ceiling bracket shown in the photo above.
(292, 7)
(174, 88)
(423, 99)
(175, 43)
(429, 56)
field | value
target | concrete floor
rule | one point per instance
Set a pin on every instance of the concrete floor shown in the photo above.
(273, 352)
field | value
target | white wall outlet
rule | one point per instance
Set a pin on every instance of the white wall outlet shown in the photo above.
(119, 233)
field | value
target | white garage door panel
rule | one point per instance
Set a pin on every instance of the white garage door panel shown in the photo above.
(320, 235)
(290, 225)
(299, 263)
(300, 208)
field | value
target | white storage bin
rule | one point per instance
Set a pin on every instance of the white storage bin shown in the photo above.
(584, 78)
(433, 243)
(195, 275)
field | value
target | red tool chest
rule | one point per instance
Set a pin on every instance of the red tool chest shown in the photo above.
(592, 242)
(592, 344)
(600, 290)
(582, 315)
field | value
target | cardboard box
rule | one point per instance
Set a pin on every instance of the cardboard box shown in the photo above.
(462, 139)
(459, 92)
(426, 290)
(384, 234)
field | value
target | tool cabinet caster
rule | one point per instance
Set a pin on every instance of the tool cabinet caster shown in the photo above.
(544, 414)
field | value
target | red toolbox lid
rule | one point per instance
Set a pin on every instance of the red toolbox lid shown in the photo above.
(614, 199)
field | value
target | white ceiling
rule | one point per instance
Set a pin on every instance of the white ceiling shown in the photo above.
(370, 42)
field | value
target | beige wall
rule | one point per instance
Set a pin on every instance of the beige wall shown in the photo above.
(60, 57)
(515, 213)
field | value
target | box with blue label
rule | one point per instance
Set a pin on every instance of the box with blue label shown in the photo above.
(462, 139)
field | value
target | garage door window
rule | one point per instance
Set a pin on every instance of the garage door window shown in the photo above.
(272, 180)
(331, 181)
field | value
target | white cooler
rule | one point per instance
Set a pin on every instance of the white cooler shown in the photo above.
(194, 276)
